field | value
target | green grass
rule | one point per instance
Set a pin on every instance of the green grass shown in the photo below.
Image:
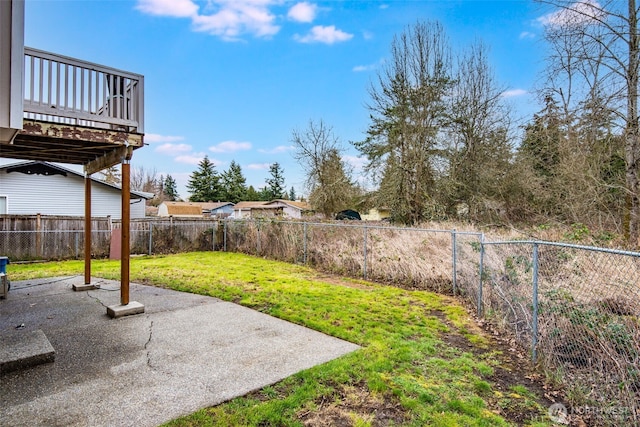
(405, 374)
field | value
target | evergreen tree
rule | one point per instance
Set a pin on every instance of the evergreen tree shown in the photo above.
(292, 194)
(170, 188)
(275, 185)
(234, 184)
(204, 183)
(252, 194)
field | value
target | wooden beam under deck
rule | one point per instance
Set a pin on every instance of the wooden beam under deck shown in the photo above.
(64, 143)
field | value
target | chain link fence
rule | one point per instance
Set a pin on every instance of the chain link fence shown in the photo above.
(576, 309)
(52, 244)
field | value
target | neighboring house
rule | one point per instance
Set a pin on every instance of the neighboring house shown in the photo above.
(274, 208)
(377, 214)
(180, 209)
(291, 209)
(243, 210)
(29, 188)
(218, 209)
(196, 209)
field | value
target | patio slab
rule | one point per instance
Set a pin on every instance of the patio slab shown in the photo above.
(185, 352)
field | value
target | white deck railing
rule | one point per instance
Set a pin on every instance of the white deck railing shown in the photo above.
(70, 91)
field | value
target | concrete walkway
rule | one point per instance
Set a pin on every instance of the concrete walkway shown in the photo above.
(184, 353)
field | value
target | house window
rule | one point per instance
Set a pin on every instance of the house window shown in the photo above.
(3, 205)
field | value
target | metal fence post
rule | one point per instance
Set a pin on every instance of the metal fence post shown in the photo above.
(304, 244)
(258, 237)
(150, 238)
(534, 321)
(453, 261)
(481, 273)
(224, 239)
(364, 270)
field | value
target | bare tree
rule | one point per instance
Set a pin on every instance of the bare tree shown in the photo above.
(480, 151)
(604, 51)
(318, 151)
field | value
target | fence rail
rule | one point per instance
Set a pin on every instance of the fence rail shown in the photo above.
(576, 308)
(67, 90)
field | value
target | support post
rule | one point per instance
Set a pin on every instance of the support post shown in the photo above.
(126, 307)
(87, 237)
(87, 229)
(125, 243)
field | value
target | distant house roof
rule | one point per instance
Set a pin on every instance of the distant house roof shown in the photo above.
(249, 205)
(304, 206)
(211, 206)
(183, 208)
(46, 168)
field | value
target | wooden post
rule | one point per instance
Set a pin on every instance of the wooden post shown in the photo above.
(126, 218)
(87, 229)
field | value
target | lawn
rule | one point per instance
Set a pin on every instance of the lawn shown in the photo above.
(423, 362)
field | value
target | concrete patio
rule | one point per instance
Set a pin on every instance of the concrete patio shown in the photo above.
(185, 352)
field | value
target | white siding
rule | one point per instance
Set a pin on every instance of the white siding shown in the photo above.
(60, 195)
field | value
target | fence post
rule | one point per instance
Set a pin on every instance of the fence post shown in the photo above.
(481, 273)
(257, 222)
(224, 235)
(304, 244)
(364, 270)
(534, 321)
(453, 261)
(150, 238)
(214, 234)
(76, 242)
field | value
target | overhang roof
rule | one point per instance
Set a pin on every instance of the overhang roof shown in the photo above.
(46, 168)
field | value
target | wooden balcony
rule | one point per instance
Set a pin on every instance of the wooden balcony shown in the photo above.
(77, 112)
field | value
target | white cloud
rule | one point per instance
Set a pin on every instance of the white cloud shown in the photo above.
(190, 159)
(303, 12)
(154, 137)
(169, 148)
(230, 147)
(356, 162)
(175, 8)
(234, 18)
(526, 35)
(513, 93)
(322, 34)
(580, 12)
(258, 166)
(278, 150)
(228, 19)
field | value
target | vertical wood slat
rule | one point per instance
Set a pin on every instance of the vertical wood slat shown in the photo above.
(49, 81)
(75, 87)
(81, 89)
(41, 81)
(33, 79)
(58, 84)
(89, 92)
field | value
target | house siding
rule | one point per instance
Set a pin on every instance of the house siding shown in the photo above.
(60, 195)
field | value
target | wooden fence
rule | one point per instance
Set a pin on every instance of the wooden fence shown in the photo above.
(41, 237)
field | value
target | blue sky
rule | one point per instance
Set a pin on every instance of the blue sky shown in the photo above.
(231, 79)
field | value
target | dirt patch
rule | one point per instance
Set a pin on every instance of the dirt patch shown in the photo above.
(352, 405)
(514, 369)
